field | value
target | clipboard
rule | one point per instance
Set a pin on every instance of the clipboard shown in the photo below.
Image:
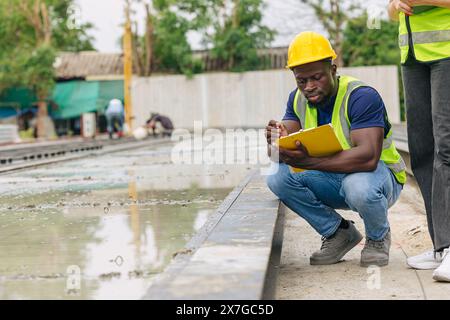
(319, 142)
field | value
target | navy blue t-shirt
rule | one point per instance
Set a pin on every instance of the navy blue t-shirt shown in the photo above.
(366, 109)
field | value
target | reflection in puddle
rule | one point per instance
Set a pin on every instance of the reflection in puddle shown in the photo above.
(117, 219)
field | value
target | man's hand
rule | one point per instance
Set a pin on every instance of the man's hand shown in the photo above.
(296, 158)
(405, 6)
(274, 130)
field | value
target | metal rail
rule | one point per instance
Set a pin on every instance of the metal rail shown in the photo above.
(41, 152)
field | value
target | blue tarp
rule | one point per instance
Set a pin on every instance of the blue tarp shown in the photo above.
(69, 99)
(76, 97)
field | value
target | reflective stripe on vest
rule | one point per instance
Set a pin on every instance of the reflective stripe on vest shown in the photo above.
(425, 37)
(341, 124)
(430, 34)
(397, 167)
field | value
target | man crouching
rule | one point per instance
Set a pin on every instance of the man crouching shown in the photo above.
(367, 177)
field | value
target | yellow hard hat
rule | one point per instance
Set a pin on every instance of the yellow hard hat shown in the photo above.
(309, 47)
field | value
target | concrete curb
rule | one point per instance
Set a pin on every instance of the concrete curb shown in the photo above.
(234, 256)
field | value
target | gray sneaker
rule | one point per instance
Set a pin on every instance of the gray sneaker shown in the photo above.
(376, 252)
(334, 248)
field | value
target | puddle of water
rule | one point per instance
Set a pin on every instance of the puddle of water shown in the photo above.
(102, 228)
(116, 247)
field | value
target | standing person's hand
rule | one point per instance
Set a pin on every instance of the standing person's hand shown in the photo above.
(405, 6)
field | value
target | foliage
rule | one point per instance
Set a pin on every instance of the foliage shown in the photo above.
(334, 16)
(241, 35)
(172, 50)
(31, 34)
(371, 47)
(368, 47)
(34, 71)
(165, 42)
(232, 28)
(69, 34)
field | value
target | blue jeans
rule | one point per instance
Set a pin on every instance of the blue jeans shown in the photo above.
(314, 195)
(112, 119)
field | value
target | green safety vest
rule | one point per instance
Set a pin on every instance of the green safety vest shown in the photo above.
(429, 32)
(341, 124)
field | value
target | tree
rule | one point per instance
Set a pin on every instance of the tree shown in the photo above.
(368, 47)
(333, 16)
(172, 49)
(69, 34)
(164, 41)
(143, 46)
(239, 34)
(53, 23)
(371, 47)
(30, 65)
(31, 33)
(233, 30)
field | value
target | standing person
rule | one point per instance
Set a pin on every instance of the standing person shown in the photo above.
(424, 40)
(114, 115)
(367, 177)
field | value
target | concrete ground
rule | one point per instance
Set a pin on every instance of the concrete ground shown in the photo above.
(346, 280)
(102, 227)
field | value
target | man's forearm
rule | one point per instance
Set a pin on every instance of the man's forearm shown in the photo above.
(347, 161)
(393, 13)
(438, 3)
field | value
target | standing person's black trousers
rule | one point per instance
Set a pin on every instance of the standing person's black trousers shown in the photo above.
(427, 97)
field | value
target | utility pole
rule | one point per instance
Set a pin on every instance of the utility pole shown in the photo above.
(128, 69)
(235, 23)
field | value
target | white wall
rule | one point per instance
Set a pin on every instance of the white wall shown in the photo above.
(385, 80)
(247, 99)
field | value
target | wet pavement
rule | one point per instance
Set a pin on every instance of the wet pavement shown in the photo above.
(102, 228)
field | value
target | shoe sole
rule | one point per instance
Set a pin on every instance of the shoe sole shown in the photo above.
(378, 263)
(334, 260)
(423, 266)
(441, 278)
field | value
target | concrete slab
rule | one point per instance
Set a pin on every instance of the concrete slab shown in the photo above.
(433, 290)
(118, 217)
(105, 150)
(235, 256)
(347, 280)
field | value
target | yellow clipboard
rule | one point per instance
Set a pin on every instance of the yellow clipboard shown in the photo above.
(319, 142)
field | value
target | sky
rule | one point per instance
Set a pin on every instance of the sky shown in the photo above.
(287, 17)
